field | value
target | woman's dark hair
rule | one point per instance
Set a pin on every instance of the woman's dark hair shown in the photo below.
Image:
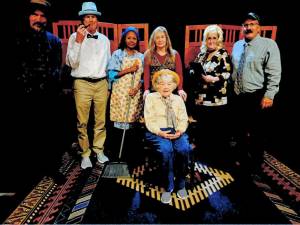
(122, 44)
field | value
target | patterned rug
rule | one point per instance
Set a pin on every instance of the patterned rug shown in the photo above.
(68, 203)
(285, 193)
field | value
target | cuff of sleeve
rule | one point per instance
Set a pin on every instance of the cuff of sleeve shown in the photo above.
(112, 74)
(269, 95)
(181, 130)
(154, 131)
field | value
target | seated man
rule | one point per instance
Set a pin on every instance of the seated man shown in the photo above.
(166, 121)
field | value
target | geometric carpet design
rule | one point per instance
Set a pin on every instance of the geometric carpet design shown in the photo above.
(77, 212)
(59, 195)
(52, 203)
(285, 209)
(32, 204)
(285, 178)
(216, 180)
(68, 203)
(286, 195)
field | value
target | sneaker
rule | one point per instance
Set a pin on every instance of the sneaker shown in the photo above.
(101, 158)
(182, 193)
(86, 162)
(166, 197)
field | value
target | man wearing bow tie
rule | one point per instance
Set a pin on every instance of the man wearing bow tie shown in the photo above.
(88, 55)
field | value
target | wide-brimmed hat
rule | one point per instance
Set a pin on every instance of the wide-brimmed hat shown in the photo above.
(89, 8)
(162, 72)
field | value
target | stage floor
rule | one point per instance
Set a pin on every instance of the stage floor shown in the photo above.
(215, 195)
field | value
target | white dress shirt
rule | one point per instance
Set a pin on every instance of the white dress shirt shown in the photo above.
(88, 59)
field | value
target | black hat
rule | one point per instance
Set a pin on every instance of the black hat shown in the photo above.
(252, 16)
(42, 5)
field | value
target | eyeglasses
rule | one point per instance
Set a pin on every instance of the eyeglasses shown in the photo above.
(249, 24)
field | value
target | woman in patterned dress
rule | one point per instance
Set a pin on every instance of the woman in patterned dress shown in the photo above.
(125, 71)
(211, 70)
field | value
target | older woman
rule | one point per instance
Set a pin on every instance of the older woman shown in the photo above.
(166, 120)
(211, 70)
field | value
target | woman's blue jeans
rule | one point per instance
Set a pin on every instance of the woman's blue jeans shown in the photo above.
(175, 158)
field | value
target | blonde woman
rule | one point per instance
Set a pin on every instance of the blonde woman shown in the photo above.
(161, 55)
(211, 70)
(166, 120)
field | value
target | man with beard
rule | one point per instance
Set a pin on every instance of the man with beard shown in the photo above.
(256, 77)
(38, 65)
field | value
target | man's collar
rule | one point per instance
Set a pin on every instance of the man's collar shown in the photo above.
(251, 42)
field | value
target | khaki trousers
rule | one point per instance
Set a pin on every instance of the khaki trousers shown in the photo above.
(85, 93)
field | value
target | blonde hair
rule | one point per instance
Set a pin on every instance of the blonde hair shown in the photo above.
(152, 46)
(212, 29)
(165, 74)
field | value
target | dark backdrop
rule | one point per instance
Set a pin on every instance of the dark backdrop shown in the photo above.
(175, 15)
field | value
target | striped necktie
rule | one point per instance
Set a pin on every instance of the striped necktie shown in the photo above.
(170, 114)
(238, 84)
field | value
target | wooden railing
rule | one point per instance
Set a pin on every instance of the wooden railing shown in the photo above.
(64, 28)
(143, 29)
(232, 33)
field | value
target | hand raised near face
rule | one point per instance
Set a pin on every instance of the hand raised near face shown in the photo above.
(80, 33)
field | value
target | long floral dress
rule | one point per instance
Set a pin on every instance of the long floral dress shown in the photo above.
(124, 108)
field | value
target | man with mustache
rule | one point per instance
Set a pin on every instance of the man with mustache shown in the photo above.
(256, 77)
(39, 53)
(38, 66)
(88, 55)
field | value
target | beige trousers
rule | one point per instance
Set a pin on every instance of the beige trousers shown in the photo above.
(85, 93)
